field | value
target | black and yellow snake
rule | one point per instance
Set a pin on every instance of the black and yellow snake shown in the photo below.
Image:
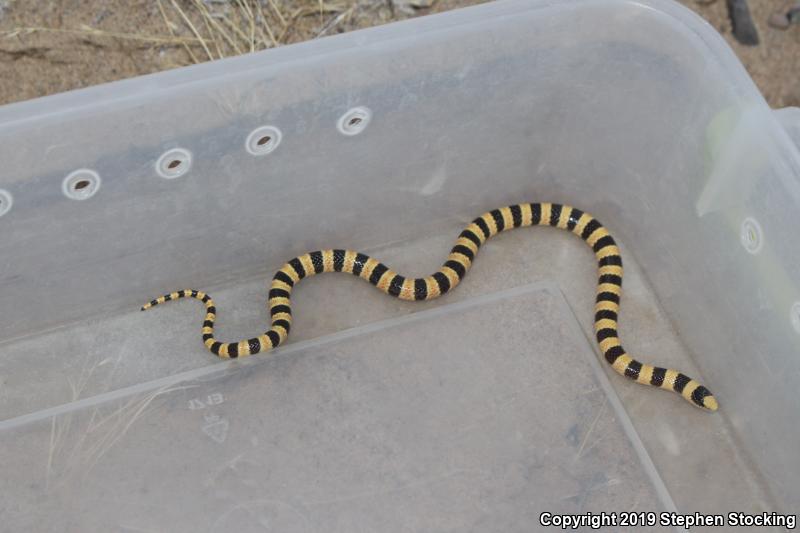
(609, 289)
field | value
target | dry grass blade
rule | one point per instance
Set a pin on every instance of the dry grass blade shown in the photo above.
(237, 31)
(207, 24)
(248, 15)
(278, 13)
(93, 32)
(191, 26)
(217, 26)
(324, 8)
(335, 21)
(171, 29)
(263, 39)
(266, 25)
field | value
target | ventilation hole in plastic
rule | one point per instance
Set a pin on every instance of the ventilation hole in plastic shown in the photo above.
(81, 184)
(794, 313)
(751, 235)
(6, 201)
(174, 163)
(263, 140)
(354, 121)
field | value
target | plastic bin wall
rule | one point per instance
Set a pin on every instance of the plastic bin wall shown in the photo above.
(635, 111)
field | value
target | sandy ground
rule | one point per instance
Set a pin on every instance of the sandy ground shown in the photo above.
(84, 42)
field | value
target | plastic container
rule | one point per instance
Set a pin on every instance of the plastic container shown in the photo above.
(478, 411)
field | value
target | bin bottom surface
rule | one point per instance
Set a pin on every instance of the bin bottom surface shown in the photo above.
(476, 412)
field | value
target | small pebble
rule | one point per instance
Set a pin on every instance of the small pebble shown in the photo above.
(779, 21)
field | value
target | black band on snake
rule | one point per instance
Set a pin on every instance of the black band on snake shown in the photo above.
(609, 289)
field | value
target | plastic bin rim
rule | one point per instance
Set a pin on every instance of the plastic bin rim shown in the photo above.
(116, 91)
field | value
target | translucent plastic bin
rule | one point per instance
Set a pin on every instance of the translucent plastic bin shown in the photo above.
(475, 412)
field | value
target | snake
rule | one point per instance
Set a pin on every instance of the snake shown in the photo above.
(458, 262)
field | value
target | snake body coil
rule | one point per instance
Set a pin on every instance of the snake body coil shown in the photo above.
(609, 289)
